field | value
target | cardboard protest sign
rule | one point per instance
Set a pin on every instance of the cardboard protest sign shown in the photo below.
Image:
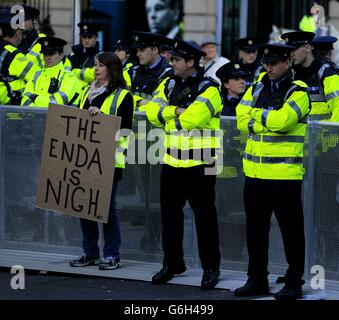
(77, 164)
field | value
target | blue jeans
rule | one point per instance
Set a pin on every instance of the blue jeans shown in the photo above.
(112, 235)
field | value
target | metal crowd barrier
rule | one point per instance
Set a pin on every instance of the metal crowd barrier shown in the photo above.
(25, 227)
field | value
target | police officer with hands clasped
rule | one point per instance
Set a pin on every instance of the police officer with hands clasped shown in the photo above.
(186, 104)
(273, 112)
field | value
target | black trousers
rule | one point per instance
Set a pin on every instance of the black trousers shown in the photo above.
(283, 197)
(179, 185)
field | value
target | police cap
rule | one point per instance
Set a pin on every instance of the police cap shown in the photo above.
(324, 42)
(247, 44)
(298, 38)
(122, 44)
(31, 12)
(51, 45)
(87, 28)
(186, 49)
(148, 39)
(230, 70)
(5, 17)
(275, 52)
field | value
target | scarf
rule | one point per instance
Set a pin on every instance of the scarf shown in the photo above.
(95, 91)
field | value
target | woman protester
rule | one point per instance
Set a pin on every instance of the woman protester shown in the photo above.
(108, 95)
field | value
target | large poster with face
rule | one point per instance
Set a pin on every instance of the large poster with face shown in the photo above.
(159, 16)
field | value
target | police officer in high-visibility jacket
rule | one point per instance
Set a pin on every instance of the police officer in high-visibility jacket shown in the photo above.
(318, 73)
(52, 84)
(273, 112)
(83, 54)
(15, 68)
(29, 45)
(152, 68)
(188, 108)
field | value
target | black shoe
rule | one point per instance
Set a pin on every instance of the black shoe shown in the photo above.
(289, 292)
(84, 261)
(166, 274)
(210, 279)
(252, 288)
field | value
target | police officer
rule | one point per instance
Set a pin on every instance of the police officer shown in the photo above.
(324, 46)
(233, 86)
(320, 75)
(188, 102)
(30, 34)
(83, 54)
(273, 111)
(127, 56)
(15, 68)
(248, 57)
(53, 84)
(152, 68)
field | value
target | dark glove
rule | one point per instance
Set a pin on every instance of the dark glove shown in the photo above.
(33, 97)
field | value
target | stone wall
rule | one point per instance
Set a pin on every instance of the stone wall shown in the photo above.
(199, 19)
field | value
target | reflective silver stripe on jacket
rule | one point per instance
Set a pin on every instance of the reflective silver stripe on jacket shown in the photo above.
(273, 160)
(63, 96)
(160, 117)
(322, 69)
(264, 117)
(250, 126)
(318, 117)
(37, 55)
(82, 74)
(296, 108)
(247, 103)
(27, 68)
(300, 139)
(36, 76)
(256, 93)
(317, 98)
(161, 102)
(332, 95)
(177, 124)
(114, 104)
(208, 104)
(2, 57)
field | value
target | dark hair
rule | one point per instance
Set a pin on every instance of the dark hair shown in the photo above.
(114, 67)
(7, 32)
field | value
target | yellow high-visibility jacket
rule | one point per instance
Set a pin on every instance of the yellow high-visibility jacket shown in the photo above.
(15, 71)
(193, 138)
(67, 93)
(274, 149)
(111, 106)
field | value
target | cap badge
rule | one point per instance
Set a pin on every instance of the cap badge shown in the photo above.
(45, 43)
(250, 42)
(266, 51)
(136, 38)
(236, 66)
(287, 40)
(176, 45)
(85, 27)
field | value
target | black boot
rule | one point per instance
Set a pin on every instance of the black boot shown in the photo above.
(166, 274)
(210, 279)
(289, 292)
(253, 287)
